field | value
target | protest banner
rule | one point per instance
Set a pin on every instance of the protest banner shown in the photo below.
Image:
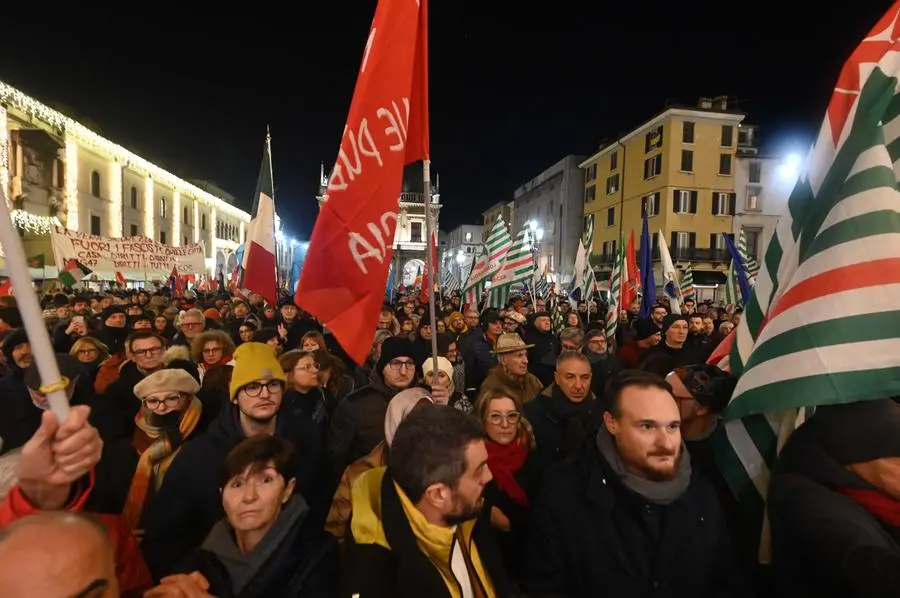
(137, 258)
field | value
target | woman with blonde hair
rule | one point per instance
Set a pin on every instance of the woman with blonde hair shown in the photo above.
(509, 443)
(90, 353)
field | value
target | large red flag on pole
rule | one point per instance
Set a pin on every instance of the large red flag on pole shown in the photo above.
(350, 250)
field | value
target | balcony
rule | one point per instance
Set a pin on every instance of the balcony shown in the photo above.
(415, 197)
(679, 254)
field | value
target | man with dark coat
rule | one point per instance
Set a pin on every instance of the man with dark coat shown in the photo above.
(357, 424)
(627, 516)
(834, 503)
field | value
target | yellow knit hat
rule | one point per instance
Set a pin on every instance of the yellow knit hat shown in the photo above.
(252, 362)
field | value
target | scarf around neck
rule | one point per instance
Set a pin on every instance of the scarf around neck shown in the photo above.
(504, 460)
(884, 508)
(658, 492)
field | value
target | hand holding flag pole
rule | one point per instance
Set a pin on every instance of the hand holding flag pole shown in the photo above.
(52, 383)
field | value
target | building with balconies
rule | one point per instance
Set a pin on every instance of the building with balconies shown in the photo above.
(678, 168)
(409, 237)
(56, 171)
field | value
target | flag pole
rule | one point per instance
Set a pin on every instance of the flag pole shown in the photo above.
(429, 263)
(272, 178)
(52, 383)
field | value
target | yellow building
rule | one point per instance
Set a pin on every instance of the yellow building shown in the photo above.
(506, 209)
(679, 166)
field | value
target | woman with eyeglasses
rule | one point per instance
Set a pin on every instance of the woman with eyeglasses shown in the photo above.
(133, 469)
(509, 444)
(304, 395)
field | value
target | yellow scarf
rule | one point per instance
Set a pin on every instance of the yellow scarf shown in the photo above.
(437, 543)
(160, 454)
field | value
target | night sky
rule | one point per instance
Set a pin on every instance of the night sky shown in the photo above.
(514, 85)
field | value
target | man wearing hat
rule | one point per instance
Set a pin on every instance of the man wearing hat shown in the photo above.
(189, 502)
(511, 374)
(357, 424)
(477, 350)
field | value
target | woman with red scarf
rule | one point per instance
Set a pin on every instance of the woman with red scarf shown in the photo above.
(509, 443)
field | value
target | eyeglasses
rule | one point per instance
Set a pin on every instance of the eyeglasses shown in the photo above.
(396, 364)
(255, 388)
(212, 350)
(170, 401)
(512, 418)
(88, 351)
(310, 367)
(147, 352)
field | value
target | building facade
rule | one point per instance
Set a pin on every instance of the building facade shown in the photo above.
(409, 237)
(763, 185)
(458, 254)
(551, 204)
(506, 209)
(679, 167)
(55, 170)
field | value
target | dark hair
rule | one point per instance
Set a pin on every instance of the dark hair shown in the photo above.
(141, 335)
(627, 379)
(256, 453)
(429, 447)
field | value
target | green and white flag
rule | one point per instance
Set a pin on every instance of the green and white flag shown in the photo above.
(489, 262)
(821, 325)
(749, 260)
(518, 266)
(688, 292)
(615, 292)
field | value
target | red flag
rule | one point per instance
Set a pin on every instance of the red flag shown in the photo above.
(6, 287)
(430, 279)
(632, 281)
(349, 254)
(120, 278)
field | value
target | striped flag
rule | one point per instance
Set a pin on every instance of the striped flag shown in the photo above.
(541, 286)
(518, 266)
(687, 284)
(558, 322)
(73, 272)
(750, 265)
(615, 288)
(496, 245)
(450, 281)
(820, 327)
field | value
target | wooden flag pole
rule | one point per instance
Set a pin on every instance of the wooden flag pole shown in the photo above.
(52, 383)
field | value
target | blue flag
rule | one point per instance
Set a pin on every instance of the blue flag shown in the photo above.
(740, 268)
(645, 263)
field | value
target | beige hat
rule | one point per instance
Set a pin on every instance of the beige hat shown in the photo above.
(515, 317)
(508, 343)
(175, 380)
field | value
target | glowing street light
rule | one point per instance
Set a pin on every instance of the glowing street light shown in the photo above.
(460, 257)
(789, 169)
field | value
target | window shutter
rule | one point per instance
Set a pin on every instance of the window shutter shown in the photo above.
(715, 201)
(712, 241)
(675, 195)
(643, 206)
(693, 202)
(692, 240)
(674, 241)
(732, 204)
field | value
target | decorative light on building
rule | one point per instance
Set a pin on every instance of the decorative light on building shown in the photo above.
(149, 228)
(197, 221)
(115, 197)
(4, 153)
(71, 182)
(13, 98)
(212, 232)
(176, 219)
(33, 225)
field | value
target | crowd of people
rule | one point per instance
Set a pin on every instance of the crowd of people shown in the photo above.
(221, 446)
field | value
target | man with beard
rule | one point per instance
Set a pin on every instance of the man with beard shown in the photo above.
(628, 516)
(418, 527)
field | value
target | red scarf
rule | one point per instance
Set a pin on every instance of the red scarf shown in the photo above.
(505, 460)
(882, 507)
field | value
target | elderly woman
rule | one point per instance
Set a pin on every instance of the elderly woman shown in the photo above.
(509, 443)
(445, 376)
(400, 406)
(90, 353)
(268, 544)
(133, 469)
